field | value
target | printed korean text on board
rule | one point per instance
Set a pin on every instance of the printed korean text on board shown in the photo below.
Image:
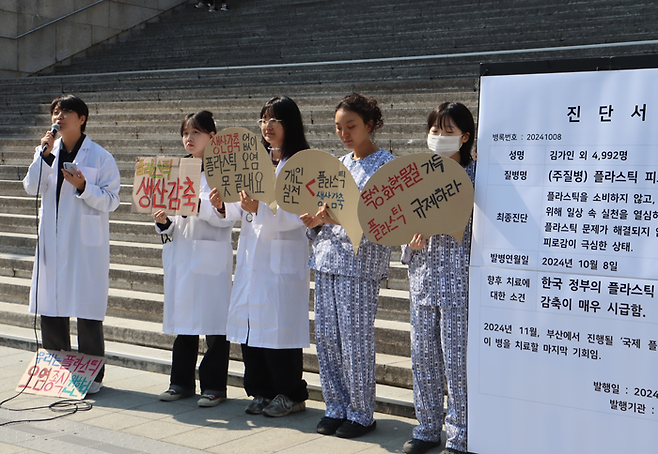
(562, 308)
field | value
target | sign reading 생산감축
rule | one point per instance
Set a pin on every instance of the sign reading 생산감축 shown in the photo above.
(563, 316)
(167, 183)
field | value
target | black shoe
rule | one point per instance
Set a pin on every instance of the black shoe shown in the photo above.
(417, 446)
(328, 426)
(351, 429)
(257, 405)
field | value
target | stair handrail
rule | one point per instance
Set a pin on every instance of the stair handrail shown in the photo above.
(380, 59)
(52, 21)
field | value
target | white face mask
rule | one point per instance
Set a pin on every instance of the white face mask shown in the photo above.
(444, 145)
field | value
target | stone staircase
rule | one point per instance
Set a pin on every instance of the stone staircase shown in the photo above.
(139, 88)
(148, 125)
(300, 31)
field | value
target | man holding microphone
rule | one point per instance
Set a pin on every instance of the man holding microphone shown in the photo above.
(78, 181)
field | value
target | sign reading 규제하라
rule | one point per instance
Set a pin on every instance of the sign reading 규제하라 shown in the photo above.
(418, 193)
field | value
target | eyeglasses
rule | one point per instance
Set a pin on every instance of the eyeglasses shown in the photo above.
(63, 113)
(265, 123)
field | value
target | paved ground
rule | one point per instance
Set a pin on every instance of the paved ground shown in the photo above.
(127, 417)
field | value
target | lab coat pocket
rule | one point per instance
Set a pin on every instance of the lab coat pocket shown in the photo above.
(51, 180)
(90, 174)
(210, 257)
(91, 230)
(287, 257)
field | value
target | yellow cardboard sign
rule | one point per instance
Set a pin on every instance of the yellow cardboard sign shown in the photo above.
(60, 374)
(235, 160)
(419, 193)
(167, 183)
(311, 178)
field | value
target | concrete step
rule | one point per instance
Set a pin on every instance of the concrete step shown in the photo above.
(135, 280)
(25, 109)
(22, 98)
(14, 188)
(488, 26)
(392, 369)
(154, 126)
(13, 172)
(390, 399)
(17, 213)
(143, 232)
(328, 47)
(140, 278)
(121, 252)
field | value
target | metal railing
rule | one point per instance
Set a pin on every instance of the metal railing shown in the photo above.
(52, 21)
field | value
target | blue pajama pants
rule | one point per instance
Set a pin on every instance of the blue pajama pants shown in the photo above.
(345, 309)
(438, 356)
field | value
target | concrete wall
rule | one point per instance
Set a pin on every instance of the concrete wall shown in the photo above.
(22, 56)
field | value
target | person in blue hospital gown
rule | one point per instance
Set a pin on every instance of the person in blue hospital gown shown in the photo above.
(438, 292)
(347, 285)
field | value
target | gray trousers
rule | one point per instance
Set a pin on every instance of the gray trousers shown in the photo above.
(55, 335)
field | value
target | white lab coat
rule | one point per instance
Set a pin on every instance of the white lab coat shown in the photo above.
(197, 271)
(270, 298)
(74, 242)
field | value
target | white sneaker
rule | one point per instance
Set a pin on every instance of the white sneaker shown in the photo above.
(95, 387)
(210, 400)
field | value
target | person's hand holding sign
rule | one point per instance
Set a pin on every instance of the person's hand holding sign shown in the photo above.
(320, 218)
(217, 202)
(417, 242)
(324, 214)
(247, 203)
(160, 217)
(311, 221)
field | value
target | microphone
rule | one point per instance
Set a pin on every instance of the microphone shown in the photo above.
(54, 129)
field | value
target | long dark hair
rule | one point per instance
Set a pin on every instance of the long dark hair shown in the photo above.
(463, 119)
(364, 107)
(284, 109)
(202, 121)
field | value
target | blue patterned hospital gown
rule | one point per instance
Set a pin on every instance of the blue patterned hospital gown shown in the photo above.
(438, 293)
(346, 299)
